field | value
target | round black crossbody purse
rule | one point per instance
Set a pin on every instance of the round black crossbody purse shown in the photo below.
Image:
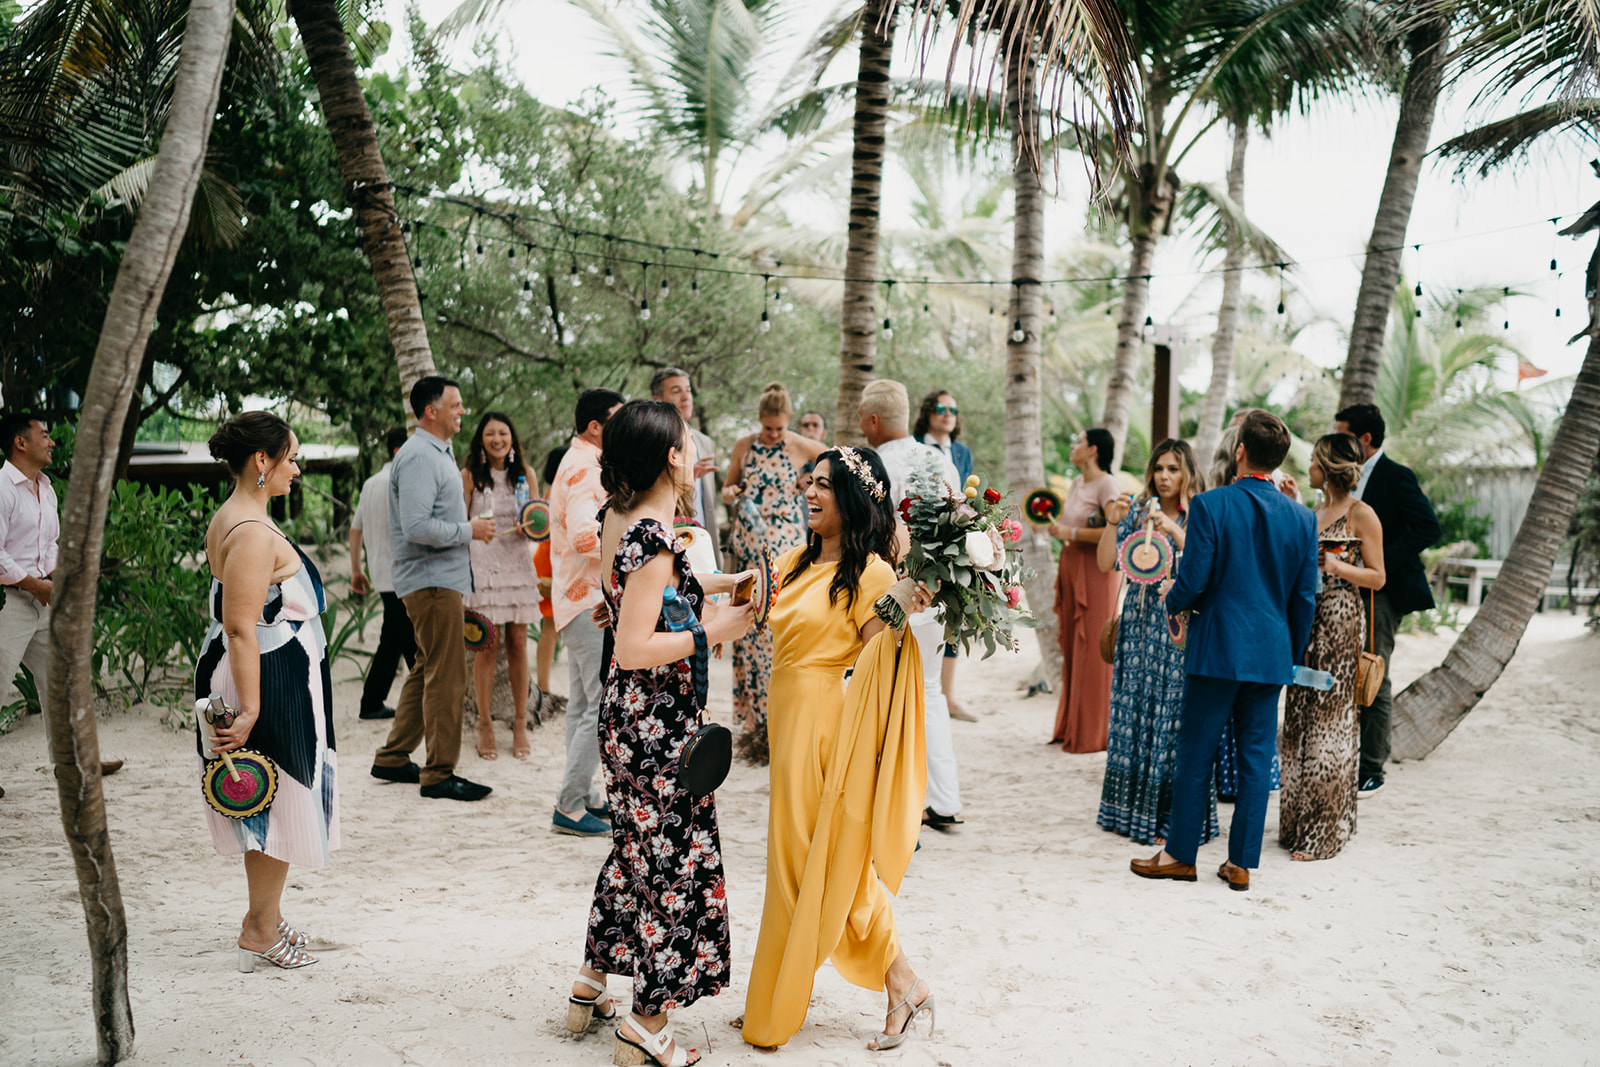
(706, 758)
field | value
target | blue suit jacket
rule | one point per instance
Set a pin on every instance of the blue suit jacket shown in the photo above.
(1249, 573)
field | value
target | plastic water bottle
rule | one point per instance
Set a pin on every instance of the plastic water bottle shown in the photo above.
(1311, 679)
(520, 489)
(676, 610)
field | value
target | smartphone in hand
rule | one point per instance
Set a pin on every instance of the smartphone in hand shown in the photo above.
(743, 588)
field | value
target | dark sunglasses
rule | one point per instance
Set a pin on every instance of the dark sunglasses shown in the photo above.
(946, 409)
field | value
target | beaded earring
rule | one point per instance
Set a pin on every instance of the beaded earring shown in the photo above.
(261, 480)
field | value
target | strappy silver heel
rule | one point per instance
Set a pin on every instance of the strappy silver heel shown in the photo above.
(288, 956)
(291, 935)
(887, 1041)
(582, 1014)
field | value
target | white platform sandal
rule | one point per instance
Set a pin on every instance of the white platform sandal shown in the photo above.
(887, 1041)
(649, 1048)
(584, 1013)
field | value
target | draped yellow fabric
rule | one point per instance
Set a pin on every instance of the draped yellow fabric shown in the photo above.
(849, 773)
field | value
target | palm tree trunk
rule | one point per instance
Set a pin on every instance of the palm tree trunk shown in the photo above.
(1427, 44)
(366, 182)
(858, 349)
(141, 279)
(1024, 444)
(1432, 706)
(1215, 404)
(1130, 345)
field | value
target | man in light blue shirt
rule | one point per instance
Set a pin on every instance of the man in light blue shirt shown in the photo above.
(429, 534)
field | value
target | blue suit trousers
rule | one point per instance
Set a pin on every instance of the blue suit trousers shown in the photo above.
(1208, 703)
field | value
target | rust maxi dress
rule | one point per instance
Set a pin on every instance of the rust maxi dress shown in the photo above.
(849, 772)
(1085, 599)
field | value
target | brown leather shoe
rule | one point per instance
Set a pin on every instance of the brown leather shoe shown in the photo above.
(108, 767)
(1178, 872)
(1238, 878)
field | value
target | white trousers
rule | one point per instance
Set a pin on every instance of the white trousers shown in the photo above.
(25, 640)
(944, 786)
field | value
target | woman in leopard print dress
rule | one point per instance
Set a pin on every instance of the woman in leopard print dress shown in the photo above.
(1320, 744)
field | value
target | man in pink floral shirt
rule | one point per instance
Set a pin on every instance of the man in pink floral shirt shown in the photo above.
(576, 573)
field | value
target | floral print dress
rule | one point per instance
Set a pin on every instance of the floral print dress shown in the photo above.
(771, 511)
(660, 909)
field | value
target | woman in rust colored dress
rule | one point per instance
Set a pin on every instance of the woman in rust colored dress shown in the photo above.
(1085, 598)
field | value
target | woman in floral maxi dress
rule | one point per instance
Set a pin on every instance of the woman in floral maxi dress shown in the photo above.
(768, 509)
(660, 911)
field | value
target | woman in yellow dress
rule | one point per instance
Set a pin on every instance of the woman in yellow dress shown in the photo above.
(848, 764)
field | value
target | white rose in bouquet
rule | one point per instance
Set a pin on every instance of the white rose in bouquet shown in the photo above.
(980, 550)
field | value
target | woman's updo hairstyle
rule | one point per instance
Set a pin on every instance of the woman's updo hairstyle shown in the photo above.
(244, 435)
(775, 401)
(1339, 456)
(633, 449)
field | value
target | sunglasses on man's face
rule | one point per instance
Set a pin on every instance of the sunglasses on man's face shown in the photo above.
(946, 409)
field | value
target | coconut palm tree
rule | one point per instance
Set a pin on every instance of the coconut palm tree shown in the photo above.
(1200, 63)
(1548, 49)
(355, 140)
(1427, 42)
(141, 277)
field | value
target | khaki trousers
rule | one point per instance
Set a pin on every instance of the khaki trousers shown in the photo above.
(25, 641)
(435, 690)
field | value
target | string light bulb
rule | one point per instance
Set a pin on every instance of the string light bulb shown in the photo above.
(527, 289)
(665, 288)
(480, 248)
(1018, 334)
(888, 328)
(1419, 289)
(644, 309)
(766, 323)
(694, 286)
(576, 280)
(611, 279)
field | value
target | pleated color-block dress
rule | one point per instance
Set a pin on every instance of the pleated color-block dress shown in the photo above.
(294, 730)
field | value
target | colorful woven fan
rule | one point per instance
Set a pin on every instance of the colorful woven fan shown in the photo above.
(1178, 629)
(766, 589)
(1146, 557)
(533, 521)
(240, 783)
(1042, 507)
(480, 633)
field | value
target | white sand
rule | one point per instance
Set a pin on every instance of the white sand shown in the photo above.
(1459, 925)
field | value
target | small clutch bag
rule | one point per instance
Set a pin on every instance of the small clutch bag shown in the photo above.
(705, 759)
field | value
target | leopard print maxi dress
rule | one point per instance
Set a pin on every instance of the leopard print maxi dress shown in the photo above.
(1321, 740)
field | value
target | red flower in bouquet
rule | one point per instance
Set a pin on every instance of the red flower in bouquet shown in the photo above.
(1011, 530)
(991, 495)
(1013, 595)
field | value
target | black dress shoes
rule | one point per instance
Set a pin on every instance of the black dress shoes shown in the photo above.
(383, 712)
(410, 774)
(934, 821)
(456, 787)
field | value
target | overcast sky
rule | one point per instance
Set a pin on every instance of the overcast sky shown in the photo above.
(1313, 187)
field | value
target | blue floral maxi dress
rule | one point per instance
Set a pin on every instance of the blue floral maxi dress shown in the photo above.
(771, 511)
(1146, 705)
(660, 909)
(294, 730)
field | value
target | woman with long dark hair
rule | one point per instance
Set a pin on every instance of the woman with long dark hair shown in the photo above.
(1085, 598)
(1148, 668)
(660, 911)
(1321, 740)
(265, 659)
(497, 481)
(848, 766)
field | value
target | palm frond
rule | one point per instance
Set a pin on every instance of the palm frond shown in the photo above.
(218, 207)
(1494, 144)
(1538, 49)
(1222, 219)
(1072, 41)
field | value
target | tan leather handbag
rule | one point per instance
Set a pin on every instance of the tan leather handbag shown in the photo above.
(1369, 666)
(1108, 638)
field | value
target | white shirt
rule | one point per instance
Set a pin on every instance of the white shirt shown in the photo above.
(1366, 472)
(916, 469)
(29, 527)
(372, 519)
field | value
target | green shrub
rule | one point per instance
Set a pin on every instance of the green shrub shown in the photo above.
(1460, 524)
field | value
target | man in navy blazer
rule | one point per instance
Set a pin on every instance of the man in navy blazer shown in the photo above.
(1249, 575)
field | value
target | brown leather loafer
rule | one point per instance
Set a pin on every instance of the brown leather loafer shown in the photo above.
(1238, 878)
(1178, 872)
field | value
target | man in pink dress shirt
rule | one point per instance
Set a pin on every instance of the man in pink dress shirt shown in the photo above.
(28, 532)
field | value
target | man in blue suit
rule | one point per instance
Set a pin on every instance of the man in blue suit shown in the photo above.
(1249, 575)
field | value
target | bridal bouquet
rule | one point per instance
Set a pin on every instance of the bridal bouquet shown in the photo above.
(966, 548)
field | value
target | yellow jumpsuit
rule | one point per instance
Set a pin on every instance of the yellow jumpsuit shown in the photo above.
(849, 772)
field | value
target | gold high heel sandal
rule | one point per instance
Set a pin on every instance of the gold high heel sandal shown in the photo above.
(887, 1041)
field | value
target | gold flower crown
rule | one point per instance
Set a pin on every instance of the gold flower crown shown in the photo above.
(858, 466)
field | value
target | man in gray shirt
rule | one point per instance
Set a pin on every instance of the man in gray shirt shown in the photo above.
(429, 534)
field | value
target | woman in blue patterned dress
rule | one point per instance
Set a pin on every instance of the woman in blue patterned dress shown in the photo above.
(266, 657)
(769, 508)
(1148, 673)
(660, 911)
